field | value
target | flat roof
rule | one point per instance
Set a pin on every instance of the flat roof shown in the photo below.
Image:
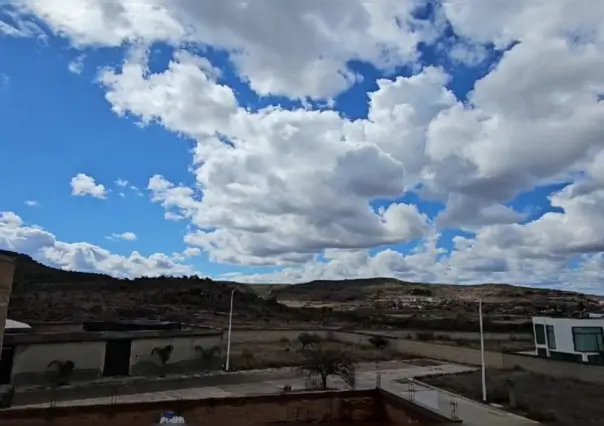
(29, 337)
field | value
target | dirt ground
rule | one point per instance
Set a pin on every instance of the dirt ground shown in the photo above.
(286, 353)
(545, 399)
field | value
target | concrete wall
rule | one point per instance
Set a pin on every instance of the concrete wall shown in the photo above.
(30, 362)
(451, 335)
(185, 355)
(271, 335)
(558, 369)
(497, 360)
(7, 269)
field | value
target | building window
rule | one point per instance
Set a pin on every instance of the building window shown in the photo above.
(551, 337)
(540, 334)
(588, 339)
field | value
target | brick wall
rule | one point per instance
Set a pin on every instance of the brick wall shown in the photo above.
(356, 406)
(362, 407)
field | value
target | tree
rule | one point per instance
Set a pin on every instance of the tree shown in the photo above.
(320, 363)
(207, 356)
(163, 353)
(379, 342)
(61, 371)
(307, 339)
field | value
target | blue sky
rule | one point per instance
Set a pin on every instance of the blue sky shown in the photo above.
(62, 87)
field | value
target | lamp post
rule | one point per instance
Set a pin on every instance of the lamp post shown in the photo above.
(484, 380)
(228, 354)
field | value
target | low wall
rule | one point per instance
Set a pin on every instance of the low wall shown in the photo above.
(451, 335)
(366, 407)
(554, 368)
(497, 360)
(303, 407)
(246, 335)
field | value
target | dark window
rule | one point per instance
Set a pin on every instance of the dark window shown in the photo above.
(551, 337)
(540, 334)
(588, 339)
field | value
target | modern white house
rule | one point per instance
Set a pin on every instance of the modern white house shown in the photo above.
(572, 339)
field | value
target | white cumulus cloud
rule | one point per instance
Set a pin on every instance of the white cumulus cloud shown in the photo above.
(82, 185)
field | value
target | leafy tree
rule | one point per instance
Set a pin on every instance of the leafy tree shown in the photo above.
(379, 342)
(62, 371)
(207, 355)
(163, 353)
(307, 339)
(320, 363)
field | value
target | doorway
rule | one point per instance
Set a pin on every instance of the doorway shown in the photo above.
(117, 358)
(6, 364)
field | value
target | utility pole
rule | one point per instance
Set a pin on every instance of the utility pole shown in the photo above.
(484, 378)
(228, 355)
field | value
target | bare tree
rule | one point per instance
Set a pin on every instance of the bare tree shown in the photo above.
(319, 363)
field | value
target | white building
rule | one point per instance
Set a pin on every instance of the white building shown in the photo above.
(573, 339)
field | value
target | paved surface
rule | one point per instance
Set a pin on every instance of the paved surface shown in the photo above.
(392, 378)
(272, 383)
(471, 412)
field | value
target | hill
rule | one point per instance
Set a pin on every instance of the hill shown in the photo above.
(45, 294)
(392, 295)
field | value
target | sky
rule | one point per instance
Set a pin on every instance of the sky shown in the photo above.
(451, 141)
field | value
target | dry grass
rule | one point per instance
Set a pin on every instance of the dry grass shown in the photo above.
(286, 353)
(545, 399)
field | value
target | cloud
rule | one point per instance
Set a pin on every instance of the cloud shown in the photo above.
(321, 37)
(32, 203)
(302, 187)
(127, 236)
(82, 185)
(44, 247)
(76, 66)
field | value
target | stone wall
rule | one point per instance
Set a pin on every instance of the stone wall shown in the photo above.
(7, 269)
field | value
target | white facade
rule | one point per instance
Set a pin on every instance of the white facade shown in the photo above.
(580, 339)
(12, 325)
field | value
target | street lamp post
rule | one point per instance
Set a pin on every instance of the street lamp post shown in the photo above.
(228, 354)
(484, 380)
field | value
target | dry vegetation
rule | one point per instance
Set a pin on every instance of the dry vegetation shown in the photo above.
(548, 400)
(43, 294)
(286, 353)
